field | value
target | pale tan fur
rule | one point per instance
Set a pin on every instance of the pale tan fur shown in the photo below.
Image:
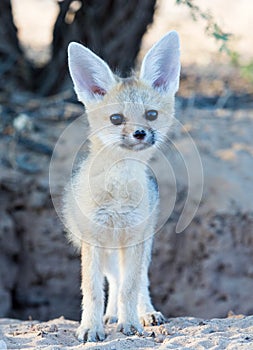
(111, 205)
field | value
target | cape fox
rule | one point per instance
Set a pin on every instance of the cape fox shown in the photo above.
(111, 204)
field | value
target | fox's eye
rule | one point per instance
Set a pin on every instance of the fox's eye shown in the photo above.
(151, 115)
(117, 119)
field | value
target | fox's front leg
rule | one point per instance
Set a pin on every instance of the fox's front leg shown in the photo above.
(130, 270)
(91, 327)
(147, 314)
(111, 271)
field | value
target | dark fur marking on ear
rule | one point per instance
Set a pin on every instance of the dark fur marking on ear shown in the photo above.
(98, 90)
(159, 82)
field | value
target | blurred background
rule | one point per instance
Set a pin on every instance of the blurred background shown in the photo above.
(207, 270)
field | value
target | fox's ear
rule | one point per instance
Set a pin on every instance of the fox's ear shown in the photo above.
(161, 65)
(91, 76)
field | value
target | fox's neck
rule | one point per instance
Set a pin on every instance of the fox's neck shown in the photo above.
(111, 168)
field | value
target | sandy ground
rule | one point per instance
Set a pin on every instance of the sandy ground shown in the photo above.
(234, 332)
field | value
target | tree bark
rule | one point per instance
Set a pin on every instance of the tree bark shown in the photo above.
(11, 56)
(111, 28)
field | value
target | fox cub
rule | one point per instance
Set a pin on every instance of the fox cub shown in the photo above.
(111, 204)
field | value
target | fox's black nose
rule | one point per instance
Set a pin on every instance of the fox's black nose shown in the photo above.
(139, 134)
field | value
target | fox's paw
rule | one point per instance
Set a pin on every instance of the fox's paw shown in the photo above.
(154, 318)
(130, 328)
(85, 334)
(110, 319)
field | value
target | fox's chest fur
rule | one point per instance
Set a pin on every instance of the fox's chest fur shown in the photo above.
(112, 199)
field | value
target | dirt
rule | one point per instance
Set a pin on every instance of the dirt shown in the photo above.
(230, 333)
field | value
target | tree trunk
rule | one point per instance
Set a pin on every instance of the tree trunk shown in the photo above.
(12, 61)
(111, 28)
